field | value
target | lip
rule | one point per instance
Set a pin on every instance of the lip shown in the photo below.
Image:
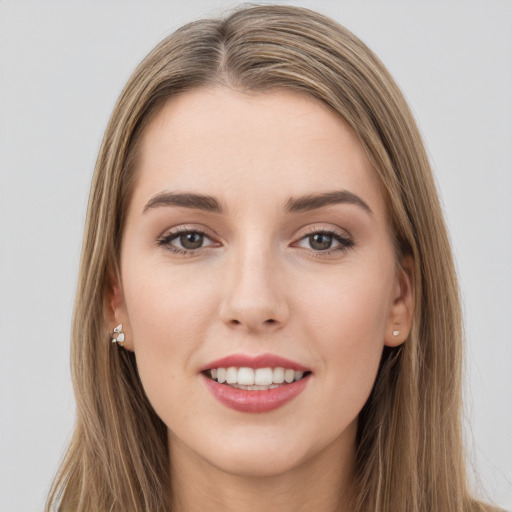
(259, 361)
(255, 401)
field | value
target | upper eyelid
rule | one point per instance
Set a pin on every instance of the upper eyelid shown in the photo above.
(188, 228)
(169, 236)
(168, 241)
(301, 233)
(341, 240)
(312, 229)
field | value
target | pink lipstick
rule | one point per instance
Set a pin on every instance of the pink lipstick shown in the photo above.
(255, 384)
(260, 361)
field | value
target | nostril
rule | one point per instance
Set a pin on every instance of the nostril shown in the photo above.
(270, 321)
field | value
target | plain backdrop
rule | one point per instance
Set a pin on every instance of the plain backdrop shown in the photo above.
(62, 66)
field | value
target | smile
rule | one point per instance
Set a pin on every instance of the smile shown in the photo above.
(255, 384)
(259, 379)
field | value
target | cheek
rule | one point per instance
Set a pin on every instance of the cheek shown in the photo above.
(165, 307)
(168, 320)
(352, 308)
(347, 318)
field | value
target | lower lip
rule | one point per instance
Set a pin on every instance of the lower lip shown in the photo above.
(255, 401)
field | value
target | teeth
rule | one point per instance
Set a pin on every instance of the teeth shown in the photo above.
(255, 388)
(232, 375)
(260, 378)
(289, 375)
(246, 376)
(263, 377)
(278, 375)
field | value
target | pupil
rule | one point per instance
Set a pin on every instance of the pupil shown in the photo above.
(320, 241)
(191, 240)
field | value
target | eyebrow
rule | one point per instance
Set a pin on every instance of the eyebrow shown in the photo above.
(186, 200)
(316, 201)
(294, 205)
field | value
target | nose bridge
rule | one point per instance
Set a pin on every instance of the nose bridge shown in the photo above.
(253, 297)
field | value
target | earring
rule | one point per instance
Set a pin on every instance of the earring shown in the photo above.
(396, 333)
(118, 335)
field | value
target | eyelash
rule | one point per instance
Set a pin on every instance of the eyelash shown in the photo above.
(345, 242)
(165, 240)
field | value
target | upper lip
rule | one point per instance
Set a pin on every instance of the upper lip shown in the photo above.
(259, 361)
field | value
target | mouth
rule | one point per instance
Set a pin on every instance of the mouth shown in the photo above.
(255, 384)
(255, 379)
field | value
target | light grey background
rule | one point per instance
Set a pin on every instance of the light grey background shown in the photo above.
(62, 65)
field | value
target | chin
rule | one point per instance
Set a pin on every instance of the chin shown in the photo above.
(258, 463)
(249, 452)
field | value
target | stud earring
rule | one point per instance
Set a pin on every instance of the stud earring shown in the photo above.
(118, 335)
(396, 333)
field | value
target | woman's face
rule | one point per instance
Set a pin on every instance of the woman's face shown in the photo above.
(257, 237)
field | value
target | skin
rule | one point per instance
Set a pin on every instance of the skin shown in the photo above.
(258, 284)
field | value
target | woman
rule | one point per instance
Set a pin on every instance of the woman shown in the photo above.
(265, 248)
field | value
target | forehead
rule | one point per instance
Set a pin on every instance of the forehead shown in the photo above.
(239, 145)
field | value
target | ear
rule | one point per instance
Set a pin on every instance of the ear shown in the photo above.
(115, 311)
(402, 307)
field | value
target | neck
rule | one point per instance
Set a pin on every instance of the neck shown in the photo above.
(322, 483)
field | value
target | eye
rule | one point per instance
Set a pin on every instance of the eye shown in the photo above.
(185, 241)
(191, 241)
(325, 241)
(320, 241)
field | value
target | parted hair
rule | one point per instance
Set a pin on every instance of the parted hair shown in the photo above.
(409, 445)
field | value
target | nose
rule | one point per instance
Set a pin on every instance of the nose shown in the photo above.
(254, 298)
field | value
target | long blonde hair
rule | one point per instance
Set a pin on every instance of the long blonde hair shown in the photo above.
(409, 445)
